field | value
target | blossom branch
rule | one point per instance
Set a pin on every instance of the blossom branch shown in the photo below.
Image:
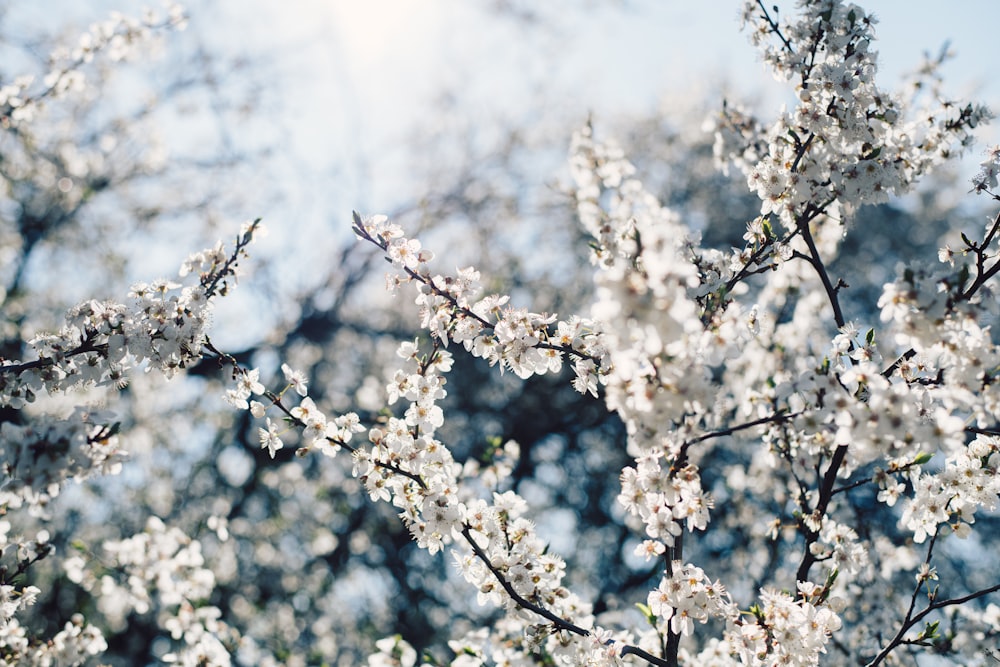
(817, 263)
(681, 460)
(766, 15)
(215, 277)
(556, 621)
(18, 105)
(825, 495)
(291, 417)
(894, 469)
(934, 605)
(755, 257)
(87, 345)
(94, 323)
(427, 280)
(306, 419)
(983, 274)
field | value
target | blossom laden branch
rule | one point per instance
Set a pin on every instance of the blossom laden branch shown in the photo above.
(116, 36)
(516, 339)
(102, 340)
(933, 605)
(427, 493)
(100, 343)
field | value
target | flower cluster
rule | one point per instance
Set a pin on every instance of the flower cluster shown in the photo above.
(650, 324)
(393, 652)
(515, 552)
(847, 139)
(453, 310)
(784, 630)
(986, 179)
(117, 37)
(73, 645)
(319, 432)
(840, 545)
(13, 599)
(38, 459)
(685, 596)
(163, 571)
(851, 402)
(102, 341)
(667, 503)
(407, 465)
(76, 644)
(967, 483)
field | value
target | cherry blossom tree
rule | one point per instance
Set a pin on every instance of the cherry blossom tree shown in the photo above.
(685, 362)
(236, 516)
(800, 477)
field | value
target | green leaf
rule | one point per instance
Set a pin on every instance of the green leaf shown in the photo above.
(930, 630)
(873, 154)
(922, 458)
(870, 336)
(963, 276)
(494, 444)
(647, 612)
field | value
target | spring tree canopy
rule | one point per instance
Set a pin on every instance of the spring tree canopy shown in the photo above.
(800, 486)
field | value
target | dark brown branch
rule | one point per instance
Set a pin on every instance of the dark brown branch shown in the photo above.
(774, 26)
(825, 494)
(983, 274)
(817, 264)
(211, 281)
(86, 346)
(359, 229)
(681, 459)
(906, 356)
(995, 432)
(932, 607)
(556, 620)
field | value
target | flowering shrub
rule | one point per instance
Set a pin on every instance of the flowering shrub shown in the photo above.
(842, 464)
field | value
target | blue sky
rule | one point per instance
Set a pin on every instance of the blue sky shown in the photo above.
(368, 72)
(367, 68)
(352, 80)
(345, 85)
